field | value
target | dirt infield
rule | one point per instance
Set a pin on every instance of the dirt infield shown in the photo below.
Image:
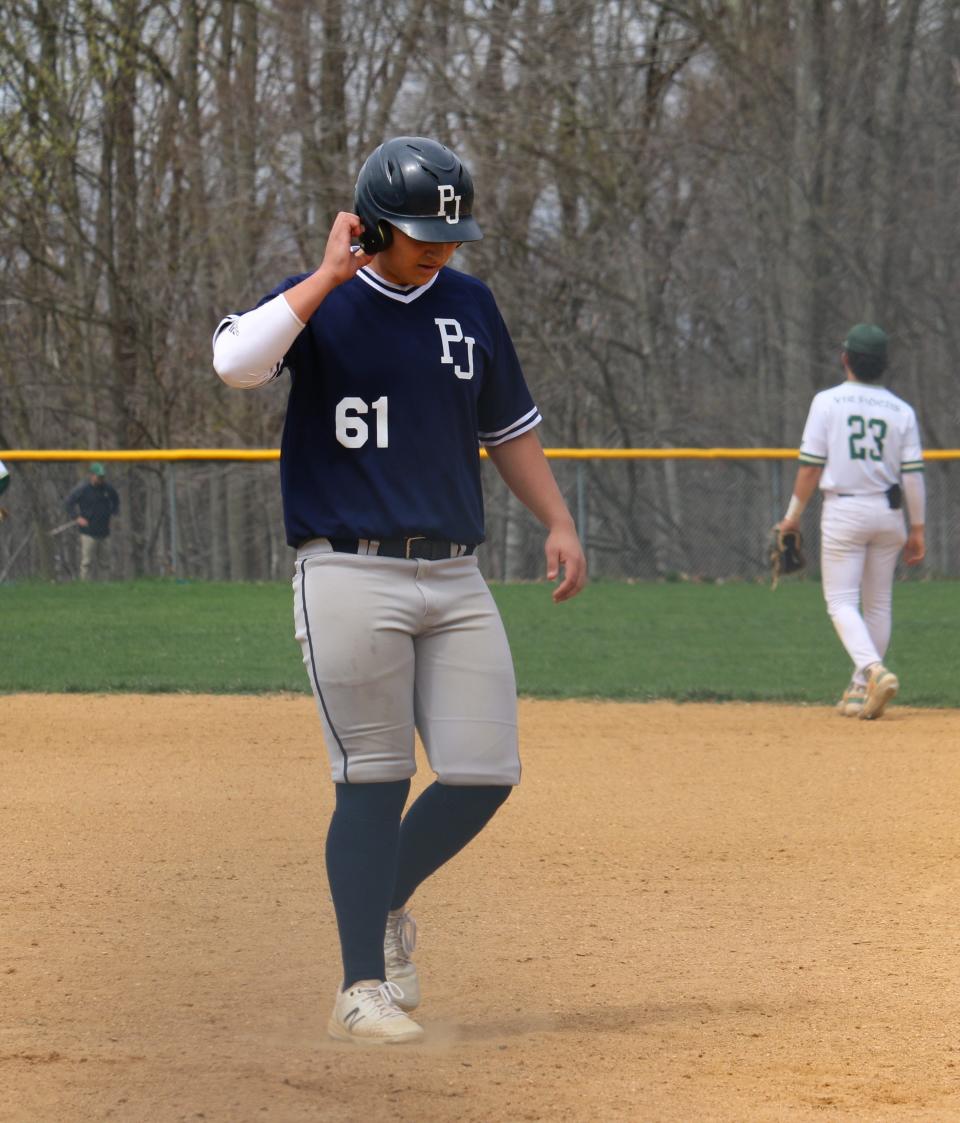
(684, 913)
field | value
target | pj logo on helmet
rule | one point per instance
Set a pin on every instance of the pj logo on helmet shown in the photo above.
(447, 196)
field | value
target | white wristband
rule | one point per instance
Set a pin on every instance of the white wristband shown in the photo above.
(795, 508)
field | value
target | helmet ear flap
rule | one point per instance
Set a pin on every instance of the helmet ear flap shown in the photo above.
(376, 236)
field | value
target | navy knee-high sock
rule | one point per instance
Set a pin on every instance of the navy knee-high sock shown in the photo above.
(361, 857)
(438, 825)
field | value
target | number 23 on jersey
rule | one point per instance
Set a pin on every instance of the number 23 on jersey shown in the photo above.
(866, 437)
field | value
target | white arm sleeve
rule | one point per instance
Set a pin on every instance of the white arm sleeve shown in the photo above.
(248, 350)
(915, 493)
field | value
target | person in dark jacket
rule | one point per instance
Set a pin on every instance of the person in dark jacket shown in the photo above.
(92, 504)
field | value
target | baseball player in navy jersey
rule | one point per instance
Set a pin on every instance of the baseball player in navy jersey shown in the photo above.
(400, 368)
(861, 445)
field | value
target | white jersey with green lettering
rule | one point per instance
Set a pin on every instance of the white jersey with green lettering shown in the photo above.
(863, 436)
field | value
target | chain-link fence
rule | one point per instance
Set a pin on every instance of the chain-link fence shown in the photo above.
(643, 515)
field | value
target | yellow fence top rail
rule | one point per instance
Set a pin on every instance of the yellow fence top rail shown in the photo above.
(160, 454)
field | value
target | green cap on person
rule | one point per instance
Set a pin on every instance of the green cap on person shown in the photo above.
(97, 470)
(866, 339)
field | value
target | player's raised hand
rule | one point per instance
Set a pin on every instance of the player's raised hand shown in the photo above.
(340, 263)
(564, 552)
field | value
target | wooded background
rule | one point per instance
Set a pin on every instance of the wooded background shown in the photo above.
(685, 206)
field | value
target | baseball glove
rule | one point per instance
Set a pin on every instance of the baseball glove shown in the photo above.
(785, 553)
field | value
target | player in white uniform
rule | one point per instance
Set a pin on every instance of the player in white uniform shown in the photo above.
(861, 444)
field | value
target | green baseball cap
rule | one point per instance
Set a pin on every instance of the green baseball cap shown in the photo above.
(97, 470)
(866, 339)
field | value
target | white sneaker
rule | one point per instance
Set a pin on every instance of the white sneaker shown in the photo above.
(882, 685)
(853, 699)
(367, 1014)
(399, 941)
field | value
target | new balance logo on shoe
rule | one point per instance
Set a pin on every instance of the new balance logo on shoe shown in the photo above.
(367, 1014)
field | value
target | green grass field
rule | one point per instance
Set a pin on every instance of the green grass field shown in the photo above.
(640, 641)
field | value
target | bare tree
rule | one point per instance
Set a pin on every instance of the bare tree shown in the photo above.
(685, 202)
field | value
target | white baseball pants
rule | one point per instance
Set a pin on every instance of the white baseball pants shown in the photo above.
(861, 539)
(394, 645)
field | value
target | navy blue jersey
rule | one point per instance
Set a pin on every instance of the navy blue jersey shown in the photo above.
(393, 389)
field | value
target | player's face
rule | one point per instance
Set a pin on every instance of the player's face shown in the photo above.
(408, 262)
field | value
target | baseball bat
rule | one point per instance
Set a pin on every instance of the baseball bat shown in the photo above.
(63, 526)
